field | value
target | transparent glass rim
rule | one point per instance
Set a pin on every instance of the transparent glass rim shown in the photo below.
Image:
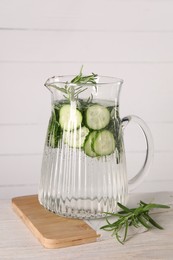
(103, 80)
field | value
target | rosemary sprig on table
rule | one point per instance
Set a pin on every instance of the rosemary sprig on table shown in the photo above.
(131, 217)
(71, 91)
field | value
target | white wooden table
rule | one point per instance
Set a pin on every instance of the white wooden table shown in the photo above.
(17, 242)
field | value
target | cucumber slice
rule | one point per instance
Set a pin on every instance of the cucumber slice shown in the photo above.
(89, 143)
(75, 138)
(97, 117)
(69, 118)
(104, 143)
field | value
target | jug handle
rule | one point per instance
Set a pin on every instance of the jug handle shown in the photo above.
(138, 178)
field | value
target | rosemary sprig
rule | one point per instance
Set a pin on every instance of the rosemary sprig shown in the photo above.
(131, 217)
(80, 79)
(71, 91)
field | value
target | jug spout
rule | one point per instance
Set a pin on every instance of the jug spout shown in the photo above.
(56, 86)
(50, 83)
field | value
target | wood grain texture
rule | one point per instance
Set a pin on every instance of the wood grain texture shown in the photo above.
(51, 230)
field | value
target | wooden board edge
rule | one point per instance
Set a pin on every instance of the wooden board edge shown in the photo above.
(47, 242)
(29, 225)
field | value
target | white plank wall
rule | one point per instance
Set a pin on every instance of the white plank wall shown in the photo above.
(129, 39)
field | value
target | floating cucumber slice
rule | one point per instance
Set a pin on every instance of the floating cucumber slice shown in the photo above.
(89, 143)
(97, 117)
(104, 143)
(75, 138)
(69, 118)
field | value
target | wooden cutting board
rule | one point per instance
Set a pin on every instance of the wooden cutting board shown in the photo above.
(50, 229)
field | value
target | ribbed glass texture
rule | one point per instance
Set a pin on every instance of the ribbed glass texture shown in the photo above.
(76, 185)
(83, 170)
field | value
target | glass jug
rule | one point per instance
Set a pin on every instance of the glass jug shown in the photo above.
(84, 165)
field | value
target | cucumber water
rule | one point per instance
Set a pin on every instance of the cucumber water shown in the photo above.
(83, 172)
(92, 127)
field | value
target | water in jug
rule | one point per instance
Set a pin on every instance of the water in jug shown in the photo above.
(83, 172)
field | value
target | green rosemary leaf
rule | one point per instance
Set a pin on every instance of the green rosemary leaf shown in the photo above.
(114, 224)
(118, 237)
(123, 207)
(131, 217)
(90, 99)
(138, 210)
(141, 203)
(135, 222)
(126, 230)
(72, 91)
(79, 91)
(143, 221)
(61, 89)
(108, 221)
(153, 206)
(152, 221)
(118, 214)
(76, 79)
(80, 73)
(80, 87)
(124, 212)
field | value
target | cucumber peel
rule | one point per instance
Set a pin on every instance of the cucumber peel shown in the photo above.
(104, 143)
(88, 145)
